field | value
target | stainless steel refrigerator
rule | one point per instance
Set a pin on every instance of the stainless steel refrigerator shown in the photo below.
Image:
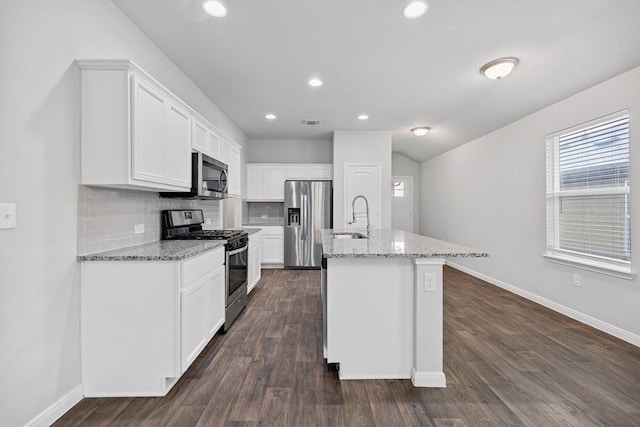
(307, 210)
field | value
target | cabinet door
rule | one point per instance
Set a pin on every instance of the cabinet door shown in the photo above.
(148, 133)
(199, 136)
(178, 146)
(215, 301)
(297, 172)
(363, 179)
(273, 249)
(255, 182)
(194, 333)
(214, 143)
(274, 183)
(320, 172)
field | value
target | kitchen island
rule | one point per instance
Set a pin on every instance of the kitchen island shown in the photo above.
(382, 304)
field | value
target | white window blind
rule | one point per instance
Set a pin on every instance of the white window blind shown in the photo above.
(588, 193)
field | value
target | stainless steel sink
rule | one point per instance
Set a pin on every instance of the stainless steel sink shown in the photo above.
(348, 235)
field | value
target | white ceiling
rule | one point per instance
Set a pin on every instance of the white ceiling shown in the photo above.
(400, 72)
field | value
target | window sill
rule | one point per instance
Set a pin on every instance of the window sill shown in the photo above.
(598, 267)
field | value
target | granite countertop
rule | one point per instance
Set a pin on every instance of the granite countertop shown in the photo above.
(164, 250)
(264, 224)
(251, 230)
(393, 244)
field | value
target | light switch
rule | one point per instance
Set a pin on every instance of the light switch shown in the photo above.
(138, 229)
(430, 282)
(7, 215)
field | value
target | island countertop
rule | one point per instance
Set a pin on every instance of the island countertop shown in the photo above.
(163, 250)
(391, 243)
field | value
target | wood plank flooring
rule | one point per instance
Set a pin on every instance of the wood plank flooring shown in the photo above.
(508, 362)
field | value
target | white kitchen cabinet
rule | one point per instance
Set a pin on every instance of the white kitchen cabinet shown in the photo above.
(231, 156)
(265, 182)
(134, 132)
(144, 322)
(309, 171)
(272, 246)
(204, 139)
(254, 272)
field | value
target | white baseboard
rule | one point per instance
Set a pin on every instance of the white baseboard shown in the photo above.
(428, 379)
(617, 332)
(58, 409)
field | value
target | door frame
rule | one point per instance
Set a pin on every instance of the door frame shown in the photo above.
(410, 179)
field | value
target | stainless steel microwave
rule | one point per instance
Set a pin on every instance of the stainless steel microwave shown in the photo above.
(208, 179)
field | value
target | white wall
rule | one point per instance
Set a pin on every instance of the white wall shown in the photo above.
(490, 194)
(404, 166)
(361, 147)
(289, 151)
(39, 170)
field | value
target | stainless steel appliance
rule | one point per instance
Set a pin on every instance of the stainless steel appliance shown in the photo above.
(183, 224)
(307, 210)
(208, 179)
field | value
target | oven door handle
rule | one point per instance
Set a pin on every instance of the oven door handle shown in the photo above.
(237, 251)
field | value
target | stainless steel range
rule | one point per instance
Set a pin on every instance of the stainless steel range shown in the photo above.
(183, 224)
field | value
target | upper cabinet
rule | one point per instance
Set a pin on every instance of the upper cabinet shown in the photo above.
(309, 171)
(231, 156)
(265, 182)
(204, 139)
(134, 132)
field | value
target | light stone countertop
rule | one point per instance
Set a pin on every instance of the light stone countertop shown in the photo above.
(164, 250)
(251, 231)
(389, 243)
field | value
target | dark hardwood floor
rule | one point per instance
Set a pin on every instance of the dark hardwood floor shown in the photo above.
(508, 362)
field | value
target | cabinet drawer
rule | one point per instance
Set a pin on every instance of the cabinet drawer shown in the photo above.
(196, 268)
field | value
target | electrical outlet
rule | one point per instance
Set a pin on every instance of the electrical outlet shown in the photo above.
(576, 280)
(138, 229)
(430, 282)
(7, 215)
(207, 221)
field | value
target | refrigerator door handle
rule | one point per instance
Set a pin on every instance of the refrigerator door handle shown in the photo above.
(304, 213)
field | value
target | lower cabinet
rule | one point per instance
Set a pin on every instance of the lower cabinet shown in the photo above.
(144, 322)
(202, 314)
(255, 261)
(272, 246)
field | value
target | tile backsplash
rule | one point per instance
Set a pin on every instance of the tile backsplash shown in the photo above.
(263, 213)
(107, 216)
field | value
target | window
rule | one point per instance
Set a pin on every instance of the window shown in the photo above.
(398, 189)
(588, 195)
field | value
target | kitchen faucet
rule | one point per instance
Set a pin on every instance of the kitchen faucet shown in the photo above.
(353, 210)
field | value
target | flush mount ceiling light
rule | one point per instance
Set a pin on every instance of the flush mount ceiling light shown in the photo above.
(270, 116)
(315, 82)
(420, 130)
(214, 8)
(363, 117)
(499, 68)
(415, 9)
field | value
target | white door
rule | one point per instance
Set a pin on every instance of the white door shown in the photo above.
(402, 203)
(362, 180)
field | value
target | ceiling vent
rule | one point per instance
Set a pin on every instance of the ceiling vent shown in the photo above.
(310, 122)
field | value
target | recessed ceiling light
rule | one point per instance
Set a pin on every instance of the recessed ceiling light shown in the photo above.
(363, 117)
(420, 130)
(214, 8)
(270, 116)
(415, 9)
(315, 82)
(499, 68)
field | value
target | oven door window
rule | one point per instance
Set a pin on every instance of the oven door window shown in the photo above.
(237, 271)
